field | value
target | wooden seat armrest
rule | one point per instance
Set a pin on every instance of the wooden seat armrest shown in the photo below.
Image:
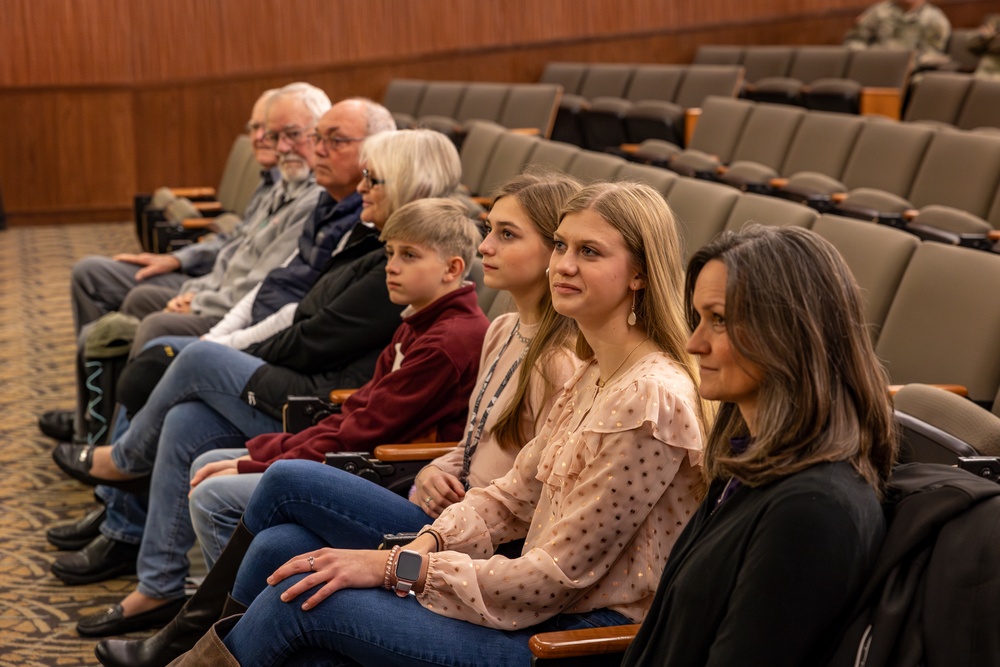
(527, 131)
(197, 223)
(838, 197)
(691, 117)
(631, 149)
(338, 396)
(207, 206)
(881, 102)
(778, 182)
(576, 643)
(910, 214)
(420, 452)
(993, 235)
(953, 388)
(194, 193)
(482, 201)
(721, 170)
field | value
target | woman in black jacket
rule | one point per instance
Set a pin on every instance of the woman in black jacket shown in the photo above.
(797, 461)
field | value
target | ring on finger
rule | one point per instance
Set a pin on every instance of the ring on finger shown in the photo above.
(312, 563)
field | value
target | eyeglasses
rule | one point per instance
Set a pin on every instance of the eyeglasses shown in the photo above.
(371, 181)
(332, 142)
(252, 128)
(292, 135)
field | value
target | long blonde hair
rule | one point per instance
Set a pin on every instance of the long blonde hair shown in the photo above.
(541, 195)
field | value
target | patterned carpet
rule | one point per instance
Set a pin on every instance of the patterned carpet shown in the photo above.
(37, 612)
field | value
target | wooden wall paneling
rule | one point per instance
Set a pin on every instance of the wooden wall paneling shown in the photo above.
(66, 151)
(65, 42)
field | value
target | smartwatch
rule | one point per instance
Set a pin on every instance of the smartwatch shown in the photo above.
(407, 571)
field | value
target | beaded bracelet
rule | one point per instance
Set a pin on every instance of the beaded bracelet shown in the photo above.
(389, 562)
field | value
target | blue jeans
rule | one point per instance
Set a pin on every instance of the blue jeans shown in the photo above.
(217, 504)
(195, 408)
(336, 508)
(374, 627)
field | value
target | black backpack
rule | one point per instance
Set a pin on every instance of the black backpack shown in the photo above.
(933, 599)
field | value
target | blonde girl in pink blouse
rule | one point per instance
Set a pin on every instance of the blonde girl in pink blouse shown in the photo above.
(599, 495)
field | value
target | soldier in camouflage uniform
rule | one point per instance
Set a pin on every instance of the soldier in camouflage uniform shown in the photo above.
(904, 24)
(986, 44)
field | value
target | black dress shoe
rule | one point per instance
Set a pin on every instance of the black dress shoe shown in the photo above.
(113, 621)
(77, 460)
(77, 535)
(57, 424)
(102, 559)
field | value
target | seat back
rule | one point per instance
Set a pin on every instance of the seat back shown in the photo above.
(589, 166)
(532, 106)
(718, 55)
(770, 211)
(606, 80)
(662, 180)
(720, 126)
(760, 62)
(441, 98)
(818, 62)
(822, 143)
(880, 68)
(654, 82)
(937, 97)
(937, 426)
(767, 134)
(700, 81)
(482, 101)
(959, 169)
(982, 105)
(941, 327)
(701, 209)
(877, 256)
(511, 153)
(240, 169)
(554, 155)
(886, 156)
(403, 96)
(604, 123)
(567, 75)
(477, 149)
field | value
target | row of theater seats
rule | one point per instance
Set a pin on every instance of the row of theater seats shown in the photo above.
(645, 101)
(172, 217)
(828, 78)
(868, 167)
(957, 100)
(447, 106)
(930, 320)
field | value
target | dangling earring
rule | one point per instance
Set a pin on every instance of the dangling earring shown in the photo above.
(546, 270)
(631, 316)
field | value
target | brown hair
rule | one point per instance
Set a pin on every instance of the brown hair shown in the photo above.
(794, 310)
(541, 195)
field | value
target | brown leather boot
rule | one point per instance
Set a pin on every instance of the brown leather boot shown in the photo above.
(210, 651)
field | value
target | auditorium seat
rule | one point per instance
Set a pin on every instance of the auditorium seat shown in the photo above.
(810, 63)
(822, 143)
(480, 101)
(881, 69)
(402, 98)
(982, 105)
(769, 211)
(940, 328)
(938, 426)
(715, 136)
(554, 155)
(702, 209)
(589, 166)
(659, 179)
(764, 142)
(708, 54)
(937, 98)
(877, 256)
